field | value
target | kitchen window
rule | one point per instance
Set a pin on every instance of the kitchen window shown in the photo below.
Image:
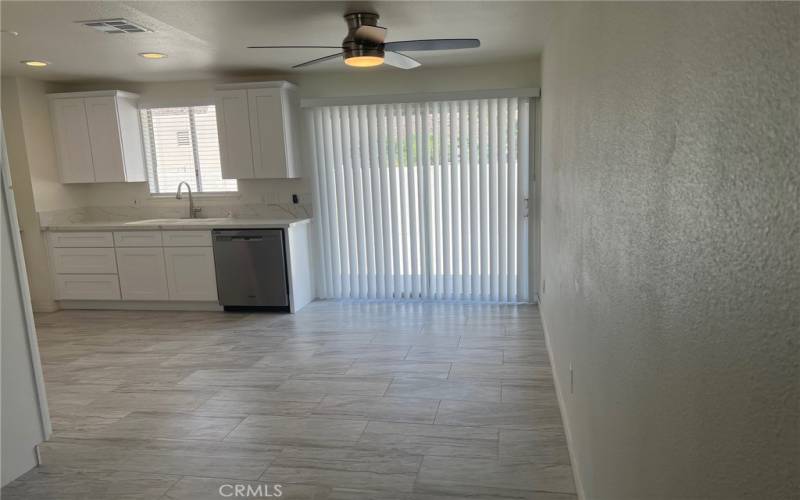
(181, 144)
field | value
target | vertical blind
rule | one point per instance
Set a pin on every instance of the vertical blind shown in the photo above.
(423, 200)
(181, 144)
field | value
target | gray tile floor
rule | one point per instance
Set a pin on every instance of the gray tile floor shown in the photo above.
(341, 401)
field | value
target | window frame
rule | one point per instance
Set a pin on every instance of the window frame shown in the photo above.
(148, 129)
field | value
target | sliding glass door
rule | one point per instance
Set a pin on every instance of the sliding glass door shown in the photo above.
(423, 200)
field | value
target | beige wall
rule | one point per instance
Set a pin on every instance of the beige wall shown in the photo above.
(48, 192)
(670, 246)
(25, 155)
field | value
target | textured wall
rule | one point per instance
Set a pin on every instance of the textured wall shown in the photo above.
(671, 246)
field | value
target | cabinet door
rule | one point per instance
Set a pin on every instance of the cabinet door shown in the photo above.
(266, 126)
(101, 113)
(190, 273)
(142, 275)
(233, 124)
(71, 134)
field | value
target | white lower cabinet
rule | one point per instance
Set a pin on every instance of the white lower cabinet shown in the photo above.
(190, 273)
(142, 275)
(87, 287)
(133, 265)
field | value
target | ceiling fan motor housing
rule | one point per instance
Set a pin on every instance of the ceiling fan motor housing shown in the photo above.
(353, 47)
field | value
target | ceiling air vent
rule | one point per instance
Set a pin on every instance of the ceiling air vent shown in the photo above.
(118, 25)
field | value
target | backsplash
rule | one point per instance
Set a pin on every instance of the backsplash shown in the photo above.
(211, 208)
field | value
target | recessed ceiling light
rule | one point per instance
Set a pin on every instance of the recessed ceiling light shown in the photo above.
(152, 55)
(35, 64)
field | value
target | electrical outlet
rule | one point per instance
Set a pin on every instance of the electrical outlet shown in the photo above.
(571, 380)
(295, 199)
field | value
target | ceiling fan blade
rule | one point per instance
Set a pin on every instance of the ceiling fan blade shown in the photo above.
(294, 47)
(319, 60)
(399, 60)
(435, 44)
(370, 34)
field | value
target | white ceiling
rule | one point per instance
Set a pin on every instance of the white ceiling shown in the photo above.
(208, 39)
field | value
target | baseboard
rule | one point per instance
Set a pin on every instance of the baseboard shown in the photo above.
(562, 407)
(136, 305)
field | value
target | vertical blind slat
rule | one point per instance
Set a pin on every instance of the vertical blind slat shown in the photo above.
(522, 167)
(475, 198)
(502, 203)
(466, 223)
(425, 178)
(494, 220)
(385, 173)
(486, 260)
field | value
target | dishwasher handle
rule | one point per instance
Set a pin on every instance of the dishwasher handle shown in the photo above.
(244, 238)
(246, 235)
(238, 238)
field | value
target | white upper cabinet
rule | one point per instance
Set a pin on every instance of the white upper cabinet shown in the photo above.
(71, 133)
(258, 130)
(104, 136)
(233, 124)
(98, 137)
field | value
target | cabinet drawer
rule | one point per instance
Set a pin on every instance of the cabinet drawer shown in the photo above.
(187, 238)
(81, 239)
(137, 238)
(87, 287)
(84, 261)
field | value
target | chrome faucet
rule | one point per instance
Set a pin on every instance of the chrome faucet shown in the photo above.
(192, 210)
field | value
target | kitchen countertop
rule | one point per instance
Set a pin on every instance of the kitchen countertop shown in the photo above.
(177, 224)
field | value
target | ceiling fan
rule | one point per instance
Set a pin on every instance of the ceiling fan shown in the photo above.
(365, 45)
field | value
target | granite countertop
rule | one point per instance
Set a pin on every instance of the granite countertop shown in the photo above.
(177, 224)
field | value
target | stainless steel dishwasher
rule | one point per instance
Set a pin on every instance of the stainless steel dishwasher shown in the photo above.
(251, 268)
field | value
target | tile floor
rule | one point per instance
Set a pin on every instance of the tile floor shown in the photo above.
(341, 401)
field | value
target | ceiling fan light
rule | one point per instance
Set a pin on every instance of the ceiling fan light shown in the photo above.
(152, 55)
(35, 64)
(364, 61)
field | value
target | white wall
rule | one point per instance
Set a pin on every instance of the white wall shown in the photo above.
(22, 426)
(670, 246)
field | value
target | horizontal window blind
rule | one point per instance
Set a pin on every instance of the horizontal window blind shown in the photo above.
(181, 144)
(423, 200)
